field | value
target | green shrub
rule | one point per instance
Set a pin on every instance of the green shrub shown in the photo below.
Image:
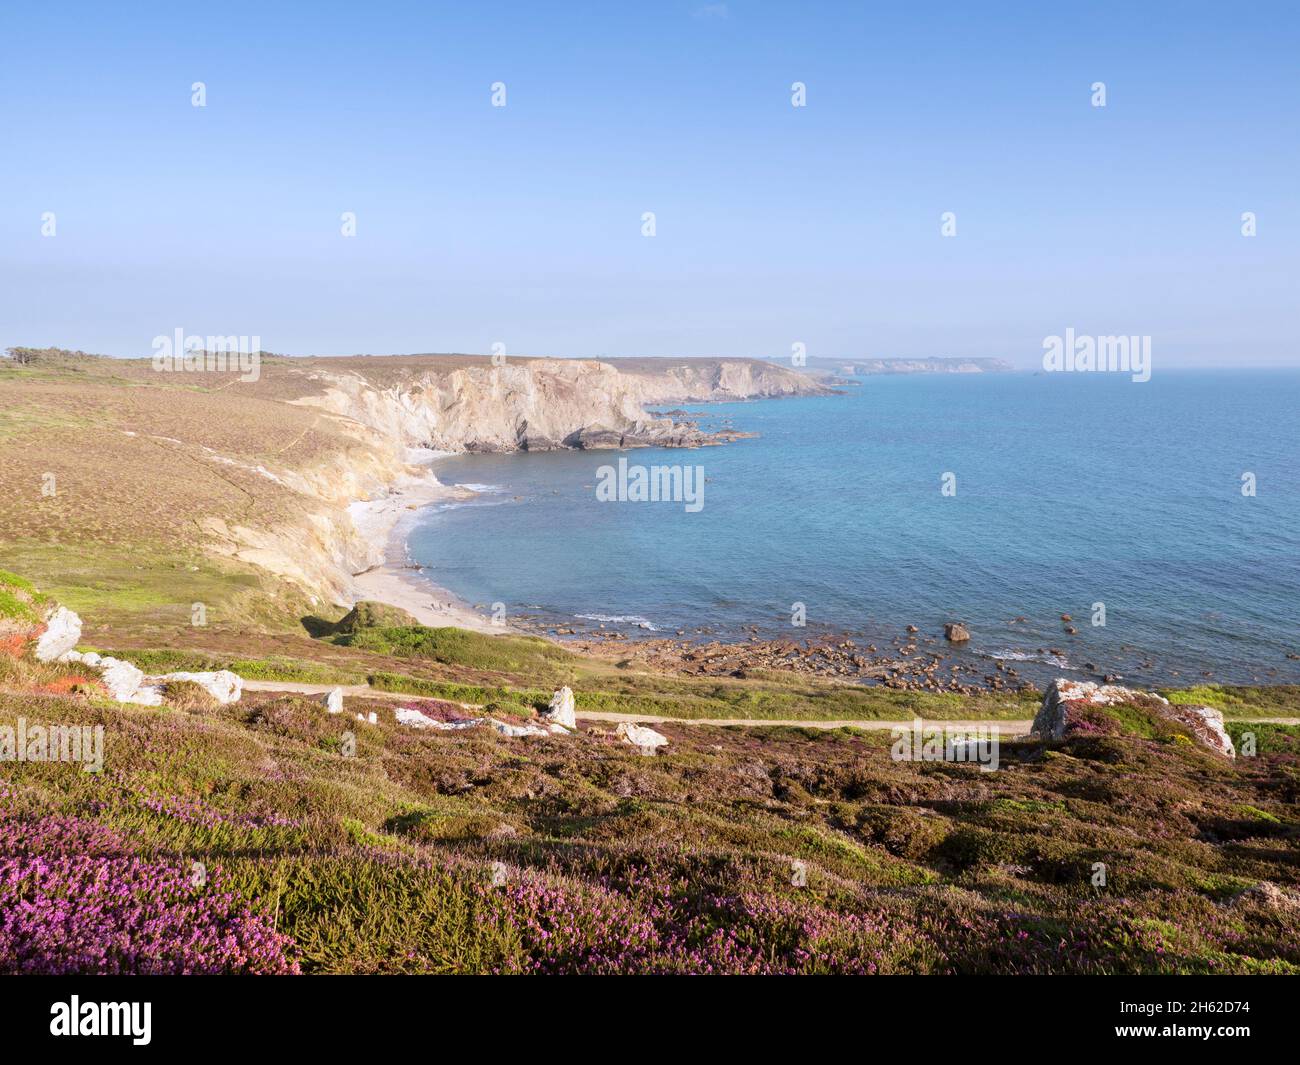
(460, 647)
(371, 615)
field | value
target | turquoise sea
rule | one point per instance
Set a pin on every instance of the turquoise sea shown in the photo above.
(1071, 490)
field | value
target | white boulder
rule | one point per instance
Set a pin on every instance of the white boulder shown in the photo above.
(1054, 718)
(507, 729)
(221, 684)
(62, 631)
(333, 701)
(646, 740)
(126, 683)
(412, 718)
(1206, 724)
(561, 711)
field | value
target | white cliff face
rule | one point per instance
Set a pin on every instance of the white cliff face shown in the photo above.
(541, 404)
(317, 545)
(381, 413)
(716, 380)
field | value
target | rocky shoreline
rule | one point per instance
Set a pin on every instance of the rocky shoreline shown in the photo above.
(904, 658)
(909, 662)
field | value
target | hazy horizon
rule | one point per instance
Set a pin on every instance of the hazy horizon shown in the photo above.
(1031, 367)
(774, 225)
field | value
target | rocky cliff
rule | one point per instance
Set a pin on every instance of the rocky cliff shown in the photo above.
(391, 409)
(300, 470)
(536, 404)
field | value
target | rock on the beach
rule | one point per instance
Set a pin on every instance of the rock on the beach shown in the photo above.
(1054, 720)
(62, 631)
(531, 441)
(332, 700)
(646, 740)
(221, 684)
(561, 711)
(956, 632)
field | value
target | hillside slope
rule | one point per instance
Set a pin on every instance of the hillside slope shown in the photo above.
(326, 844)
(130, 491)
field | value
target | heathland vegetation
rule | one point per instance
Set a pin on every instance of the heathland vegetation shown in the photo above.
(283, 838)
(270, 835)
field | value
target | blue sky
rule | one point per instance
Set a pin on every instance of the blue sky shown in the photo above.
(774, 224)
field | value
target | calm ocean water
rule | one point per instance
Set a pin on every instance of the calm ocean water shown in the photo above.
(1071, 490)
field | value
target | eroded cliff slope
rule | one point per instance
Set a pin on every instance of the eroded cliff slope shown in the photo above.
(473, 404)
(129, 489)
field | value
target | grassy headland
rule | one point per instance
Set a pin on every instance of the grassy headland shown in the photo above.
(268, 835)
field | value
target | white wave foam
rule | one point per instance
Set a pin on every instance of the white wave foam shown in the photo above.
(621, 619)
(1060, 661)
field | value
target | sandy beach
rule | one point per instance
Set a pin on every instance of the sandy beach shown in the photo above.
(386, 522)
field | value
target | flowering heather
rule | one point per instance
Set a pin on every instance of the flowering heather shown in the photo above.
(74, 900)
(659, 929)
(755, 850)
(196, 812)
